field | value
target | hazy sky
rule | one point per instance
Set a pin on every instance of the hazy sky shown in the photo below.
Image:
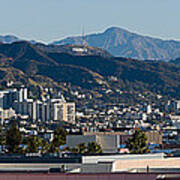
(48, 20)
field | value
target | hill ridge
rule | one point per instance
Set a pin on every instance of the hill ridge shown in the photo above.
(91, 74)
(123, 43)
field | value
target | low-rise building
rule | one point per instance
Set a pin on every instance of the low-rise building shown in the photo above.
(110, 142)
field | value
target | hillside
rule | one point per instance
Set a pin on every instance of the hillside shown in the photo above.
(77, 50)
(93, 75)
(122, 43)
(175, 61)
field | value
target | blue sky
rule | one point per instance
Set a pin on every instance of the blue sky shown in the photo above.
(48, 20)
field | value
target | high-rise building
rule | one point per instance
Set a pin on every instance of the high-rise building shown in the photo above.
(6, 114)
(64, 112)
(46, 112)
(70, 112)
(49, 109)
(1, 116)
(149, 109)
(7, 98)
(173, 105)
(22, 94)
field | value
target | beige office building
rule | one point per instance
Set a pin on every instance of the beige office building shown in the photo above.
(64, 111)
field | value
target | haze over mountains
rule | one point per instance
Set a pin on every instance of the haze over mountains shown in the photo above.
(121, 43)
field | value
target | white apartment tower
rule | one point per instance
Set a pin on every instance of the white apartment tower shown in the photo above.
(47, 110)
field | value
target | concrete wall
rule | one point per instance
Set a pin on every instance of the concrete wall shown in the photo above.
(109, 143)
(73, 140)
(122, 165)
(112, 158)
(154, 137)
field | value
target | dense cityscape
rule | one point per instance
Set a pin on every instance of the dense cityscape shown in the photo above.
(89, 90)
(114, 124)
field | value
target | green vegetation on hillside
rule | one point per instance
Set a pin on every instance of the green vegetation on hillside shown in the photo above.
(96, 75)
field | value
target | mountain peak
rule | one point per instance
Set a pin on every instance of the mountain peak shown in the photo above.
(122, 43)
(115, 29)
(8, 39)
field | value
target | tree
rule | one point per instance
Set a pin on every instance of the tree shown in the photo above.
(58, 140)
(33, 143)
(82, 148)
(2, 138)
(13, 138)
(94, 148)
(75, 150)
(138, 143)
(79, 149)
(45, 146)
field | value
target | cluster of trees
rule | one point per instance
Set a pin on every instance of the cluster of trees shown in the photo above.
(90, 148)
(138, 144)
(12, 141)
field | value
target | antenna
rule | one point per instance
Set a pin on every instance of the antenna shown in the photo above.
(84, 43)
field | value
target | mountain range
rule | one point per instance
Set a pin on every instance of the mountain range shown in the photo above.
(122, 43)
(49, 66)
